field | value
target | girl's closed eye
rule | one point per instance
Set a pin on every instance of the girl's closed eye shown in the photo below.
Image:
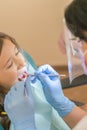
(17, 52)
(10, 65)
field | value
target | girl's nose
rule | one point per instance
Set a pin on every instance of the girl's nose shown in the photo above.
(20, 62)
(19, 66)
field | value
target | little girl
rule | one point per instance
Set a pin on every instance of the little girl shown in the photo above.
(15, 68)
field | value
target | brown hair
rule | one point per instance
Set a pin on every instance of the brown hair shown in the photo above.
(76, 18)
(4, 120)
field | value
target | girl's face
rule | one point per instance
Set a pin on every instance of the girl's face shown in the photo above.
(11, 60)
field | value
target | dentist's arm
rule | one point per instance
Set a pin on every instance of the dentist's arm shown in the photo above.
(55, 96)
(20, 107)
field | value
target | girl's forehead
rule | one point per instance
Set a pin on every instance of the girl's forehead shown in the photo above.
(7, 47)
(6, 52)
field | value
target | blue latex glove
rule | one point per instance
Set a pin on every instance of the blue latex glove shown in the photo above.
(19, 106)
(53, 90)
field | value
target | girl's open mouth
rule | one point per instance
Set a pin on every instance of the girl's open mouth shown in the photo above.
(22, 74)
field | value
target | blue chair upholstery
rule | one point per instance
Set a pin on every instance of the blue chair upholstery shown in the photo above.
(29, 58)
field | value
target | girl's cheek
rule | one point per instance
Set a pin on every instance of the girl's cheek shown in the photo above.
(13, 79)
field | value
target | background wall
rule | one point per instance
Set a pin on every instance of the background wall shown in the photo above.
(36, 25)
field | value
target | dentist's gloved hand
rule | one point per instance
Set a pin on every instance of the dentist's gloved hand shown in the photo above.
(53, 90)
(20, 107)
